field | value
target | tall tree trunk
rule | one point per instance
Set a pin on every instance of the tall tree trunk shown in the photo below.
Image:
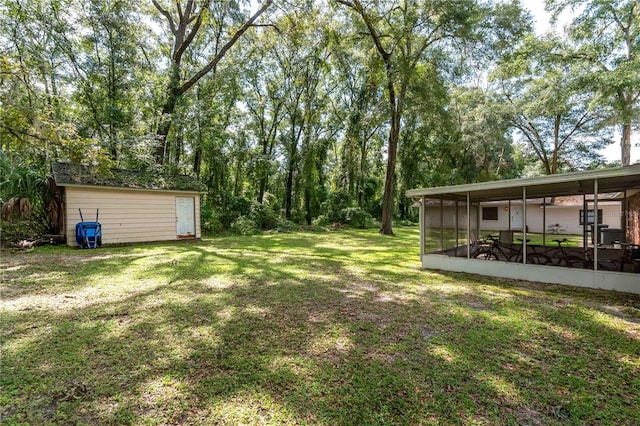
(386, 227)
(387, 200)
(288, 198)
(197, 157)
(262, 185)
(178, 150)
(112, 98)
(162, 144)
(197, 152)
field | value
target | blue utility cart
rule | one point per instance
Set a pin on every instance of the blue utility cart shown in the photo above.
(88, 234)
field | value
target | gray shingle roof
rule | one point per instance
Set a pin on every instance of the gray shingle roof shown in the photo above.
(66, 174)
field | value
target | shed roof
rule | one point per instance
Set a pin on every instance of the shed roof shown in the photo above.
(576, 183)
(66, 174)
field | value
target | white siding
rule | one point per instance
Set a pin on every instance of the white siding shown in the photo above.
(127, 216)
(568, 217)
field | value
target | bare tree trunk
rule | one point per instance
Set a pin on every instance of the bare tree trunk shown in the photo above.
(162, 147)
(288, 198)
(386, 227)
(394, 108)
(262, 187)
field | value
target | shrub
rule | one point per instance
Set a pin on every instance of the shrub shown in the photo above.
(322, 220)
(244, 225)
(356, 217)
(210, 220)
(287, 226)
(21, 229)
(231, 208)
(336, 202)
(263, 215)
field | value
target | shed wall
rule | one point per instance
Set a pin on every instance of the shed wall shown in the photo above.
(127, 216)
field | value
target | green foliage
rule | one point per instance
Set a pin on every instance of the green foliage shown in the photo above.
(263, 215)
(286, 226)
(335, 204)
(22, 221)
(210, 220)
(18, 229)
(604, 37)
(339, 209)
(355, 217)
(550, 106)
(244, 225)
(302, 107)
(230, 209)
(321, 220)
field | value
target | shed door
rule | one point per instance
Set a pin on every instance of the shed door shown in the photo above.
(185, 217)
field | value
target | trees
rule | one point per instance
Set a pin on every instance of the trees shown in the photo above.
(403, 34)
(312, 110)
(37, 126)
(544, 95)
(185, 22)
(105, 63)
(605, 35)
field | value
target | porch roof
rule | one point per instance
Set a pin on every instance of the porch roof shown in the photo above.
(576, 183)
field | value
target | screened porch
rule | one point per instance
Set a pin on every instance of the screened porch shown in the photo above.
(578, 228)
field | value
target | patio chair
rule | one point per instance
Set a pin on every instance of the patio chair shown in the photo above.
(630, 256)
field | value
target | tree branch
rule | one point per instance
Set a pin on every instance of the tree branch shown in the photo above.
(214, 62)
(166, 15)
(356, 6)
(187, 41)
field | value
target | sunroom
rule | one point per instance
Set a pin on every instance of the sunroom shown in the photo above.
(580, 229)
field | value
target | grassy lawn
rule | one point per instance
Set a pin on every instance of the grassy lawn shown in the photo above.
(309, 328)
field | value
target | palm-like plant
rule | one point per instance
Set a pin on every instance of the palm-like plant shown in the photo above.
(30, 193)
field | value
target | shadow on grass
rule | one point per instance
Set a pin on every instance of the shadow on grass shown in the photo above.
(244, 331)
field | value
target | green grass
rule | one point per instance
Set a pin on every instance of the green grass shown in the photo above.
(309, 328)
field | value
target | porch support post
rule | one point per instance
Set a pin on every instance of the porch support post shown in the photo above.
(422, 226)
(510, 215)
(596, 229)
(625, 217)
(585, 216)
(544, 221)
(469, 226)
(457, 225)
(441, 224)
(478, 218)
(524, 225)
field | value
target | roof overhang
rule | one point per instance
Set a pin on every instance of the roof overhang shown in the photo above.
(577, 183)
(122, 188)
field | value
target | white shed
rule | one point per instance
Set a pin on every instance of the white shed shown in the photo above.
(132, 206)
